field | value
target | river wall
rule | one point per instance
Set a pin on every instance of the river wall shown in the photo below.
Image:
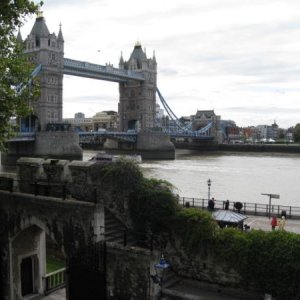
(279, 148)
(207, 146)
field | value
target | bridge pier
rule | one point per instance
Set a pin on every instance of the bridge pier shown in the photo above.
(150, 145)
(155, 145)
(47, 144)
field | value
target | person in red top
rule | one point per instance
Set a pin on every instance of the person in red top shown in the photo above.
(274, 222)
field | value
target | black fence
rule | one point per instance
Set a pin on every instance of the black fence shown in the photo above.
(257, 209)
(60, 190)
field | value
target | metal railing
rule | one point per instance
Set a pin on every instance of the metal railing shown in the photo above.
(55, 280)
(60, 190)
(257, 209)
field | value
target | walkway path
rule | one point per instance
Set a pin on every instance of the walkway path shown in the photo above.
(264, 223)
(57, 295)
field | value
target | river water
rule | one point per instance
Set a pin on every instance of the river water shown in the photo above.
(235, 176)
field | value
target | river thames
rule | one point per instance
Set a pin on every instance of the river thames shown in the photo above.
(235, 176)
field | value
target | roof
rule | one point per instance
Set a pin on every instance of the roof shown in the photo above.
(138, 54)
(40, 28)
(228, 216)
(207, 113)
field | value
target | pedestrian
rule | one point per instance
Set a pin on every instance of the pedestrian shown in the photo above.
(227, 205)
(211, 204)
(281, 223)
(274, 222)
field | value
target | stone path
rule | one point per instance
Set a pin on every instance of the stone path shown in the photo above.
(264, 223)
(193, 290)
(57, 295)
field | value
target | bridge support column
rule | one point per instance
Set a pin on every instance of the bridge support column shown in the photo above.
(49, 144)
(155, 145)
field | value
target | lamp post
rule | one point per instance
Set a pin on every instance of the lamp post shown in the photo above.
(209, 184)
(274, 196)
(160, 271)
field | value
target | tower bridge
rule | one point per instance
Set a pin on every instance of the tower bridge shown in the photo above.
(137, 80)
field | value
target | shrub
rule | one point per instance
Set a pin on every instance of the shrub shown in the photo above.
(153, 206)
(195, 227)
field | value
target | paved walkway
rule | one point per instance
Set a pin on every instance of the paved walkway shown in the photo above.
(57, 295)
(264, 223)
(195, 290)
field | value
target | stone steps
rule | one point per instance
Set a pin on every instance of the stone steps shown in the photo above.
(170, 279)
(114, 230)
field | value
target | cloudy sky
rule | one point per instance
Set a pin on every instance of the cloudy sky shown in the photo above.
(240, 58)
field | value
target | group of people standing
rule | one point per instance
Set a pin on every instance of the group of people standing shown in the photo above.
(278, 222)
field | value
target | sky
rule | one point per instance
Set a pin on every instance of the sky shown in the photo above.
(240, 58)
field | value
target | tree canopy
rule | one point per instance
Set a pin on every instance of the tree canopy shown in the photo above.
(297, 133)
(15, 70)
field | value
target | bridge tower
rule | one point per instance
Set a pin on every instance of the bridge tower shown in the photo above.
(47, 49)
(138, 99)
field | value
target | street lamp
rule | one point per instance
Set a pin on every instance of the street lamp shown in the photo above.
(209, 184)
(160, 269)
(274, 196)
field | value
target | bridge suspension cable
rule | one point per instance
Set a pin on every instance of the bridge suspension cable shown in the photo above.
(33, 74)
(171, 114)
(186, 128)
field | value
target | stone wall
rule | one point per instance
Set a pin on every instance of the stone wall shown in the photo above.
(76, 180)
(128, 275)
(73, 225)
(201, 266)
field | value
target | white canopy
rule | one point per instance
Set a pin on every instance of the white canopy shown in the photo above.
(228, 216)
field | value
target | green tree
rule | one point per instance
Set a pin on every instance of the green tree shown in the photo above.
(15, 70)
(297, 133)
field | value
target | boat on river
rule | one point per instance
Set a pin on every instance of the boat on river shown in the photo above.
(105, 157)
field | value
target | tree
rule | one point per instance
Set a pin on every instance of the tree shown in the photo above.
(297, 133)
(15, 70)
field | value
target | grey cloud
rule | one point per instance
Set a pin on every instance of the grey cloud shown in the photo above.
(168, 71)
(262, 110)
(94, 99)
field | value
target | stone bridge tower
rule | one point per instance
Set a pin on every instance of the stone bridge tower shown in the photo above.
(138, 98)
(47, 49)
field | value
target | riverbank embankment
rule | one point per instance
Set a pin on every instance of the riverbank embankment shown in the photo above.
(279, 148)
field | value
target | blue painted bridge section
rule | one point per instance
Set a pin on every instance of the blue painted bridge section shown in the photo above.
(91, 137)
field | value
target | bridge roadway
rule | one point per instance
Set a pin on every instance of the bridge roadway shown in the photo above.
(192, 290)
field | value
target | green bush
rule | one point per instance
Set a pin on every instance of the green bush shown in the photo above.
(152, 207)
(266, 261)
(195, 227)
(120, 176)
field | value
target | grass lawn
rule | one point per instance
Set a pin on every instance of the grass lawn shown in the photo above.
(54, 263)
